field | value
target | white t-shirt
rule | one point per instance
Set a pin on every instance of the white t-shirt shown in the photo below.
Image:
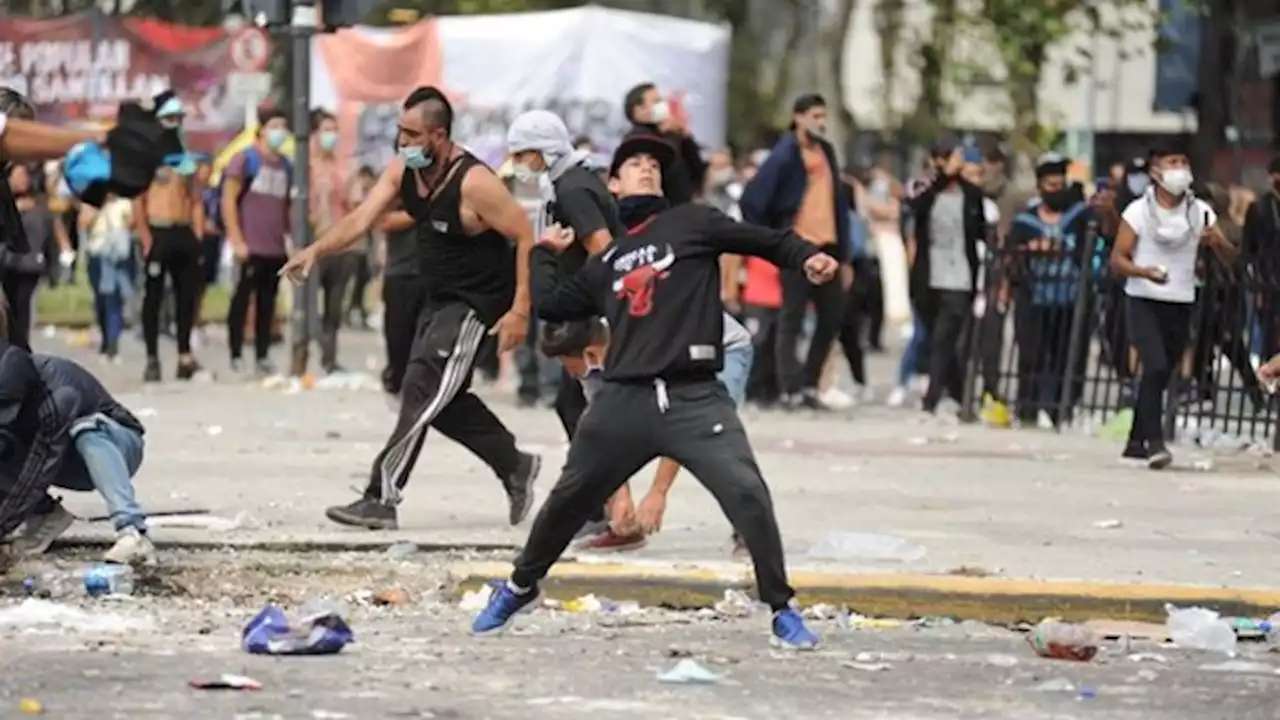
(1168, 238)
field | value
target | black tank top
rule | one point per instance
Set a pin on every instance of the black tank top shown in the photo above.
(478, 270)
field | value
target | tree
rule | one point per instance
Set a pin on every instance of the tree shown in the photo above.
(833, 39)
(1023, 34)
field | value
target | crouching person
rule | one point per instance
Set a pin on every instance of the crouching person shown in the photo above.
(60, 427)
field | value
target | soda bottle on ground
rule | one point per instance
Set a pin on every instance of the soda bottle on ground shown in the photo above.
(1063, 641)
(95, 580)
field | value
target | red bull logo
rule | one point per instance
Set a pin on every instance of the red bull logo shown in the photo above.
(637, 286)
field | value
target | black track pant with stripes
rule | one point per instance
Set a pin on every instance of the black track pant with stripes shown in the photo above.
(436, 392)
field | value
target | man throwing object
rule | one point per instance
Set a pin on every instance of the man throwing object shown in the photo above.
(659, 288)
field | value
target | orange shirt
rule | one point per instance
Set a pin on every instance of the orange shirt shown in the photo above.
(328, 194)
(816, 219)
(763, 287)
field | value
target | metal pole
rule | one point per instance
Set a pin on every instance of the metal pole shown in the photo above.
(303, 314)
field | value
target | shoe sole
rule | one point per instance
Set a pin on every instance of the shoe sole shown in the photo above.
(613, 548)
(1133, 462)
(530, 479)
(781, 644)
(502, 629)
(353, 521)
(1160, 463)
(46, 542)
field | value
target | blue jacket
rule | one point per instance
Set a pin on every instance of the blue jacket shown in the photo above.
(773, 196)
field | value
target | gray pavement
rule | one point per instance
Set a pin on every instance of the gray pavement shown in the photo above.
(414, 660)
(1023, 504)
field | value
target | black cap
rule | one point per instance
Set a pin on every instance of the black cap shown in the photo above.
(1274, 167)
(944, 146)
(1136, 166)
(1051, 163)
(650, 145)
(159, 100)
(1166, 148)
(807, 102)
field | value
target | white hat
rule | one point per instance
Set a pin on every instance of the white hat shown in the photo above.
(539, 130)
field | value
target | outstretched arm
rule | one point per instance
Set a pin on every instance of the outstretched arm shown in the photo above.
(28, 140)
(780, 247)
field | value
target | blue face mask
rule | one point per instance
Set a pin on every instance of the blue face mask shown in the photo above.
(276, 137)
(328, 140)
(416, 157)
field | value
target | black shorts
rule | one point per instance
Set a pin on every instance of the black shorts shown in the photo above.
(211, 257)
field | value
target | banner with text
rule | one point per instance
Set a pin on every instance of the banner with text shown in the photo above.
(79, 68)
(577, 63)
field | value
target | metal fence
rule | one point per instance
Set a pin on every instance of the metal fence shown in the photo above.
(1049, 342)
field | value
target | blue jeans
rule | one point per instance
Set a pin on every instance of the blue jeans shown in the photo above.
(112, 453)
(109, 278)
(737, 370)
(911, 353)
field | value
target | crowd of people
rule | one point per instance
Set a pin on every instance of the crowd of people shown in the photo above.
(668, 287)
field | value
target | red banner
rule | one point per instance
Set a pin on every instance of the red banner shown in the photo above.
(78, 69)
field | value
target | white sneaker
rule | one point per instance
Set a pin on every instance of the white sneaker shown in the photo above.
(133, 548)
(835, 398)
(897, 397)
(40, 531)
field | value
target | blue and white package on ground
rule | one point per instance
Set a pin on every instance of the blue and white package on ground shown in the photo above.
(271, 633)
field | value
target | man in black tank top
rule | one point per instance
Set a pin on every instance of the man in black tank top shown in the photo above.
(573, 197)
(466, 221)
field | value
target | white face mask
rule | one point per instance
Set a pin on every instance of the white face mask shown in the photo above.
(1176, 180)
(661, 112)
(524, 173)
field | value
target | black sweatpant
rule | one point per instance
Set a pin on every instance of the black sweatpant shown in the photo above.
(763, 384)
(828, 302)
(1159, 332)
(18, 293)
(176, 253)
(359, 285)
(571, 403)
(627, 425)
(436, 392)
(336, 274)
(260, 277)
(403, 297)
(1043, 334)
(948, 350)
(856, 316)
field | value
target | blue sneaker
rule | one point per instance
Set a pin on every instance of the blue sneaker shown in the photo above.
(503, 605)
(790, 632)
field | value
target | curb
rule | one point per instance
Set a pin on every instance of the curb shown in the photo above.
(999, 601)
(284, 545)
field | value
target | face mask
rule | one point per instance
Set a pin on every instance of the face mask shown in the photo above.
(592, 382)
(661, 112)
(524, 173)
(328, 140)
(1137, 183)
(816, 132)
(276, 138)
(636, 209)
(721, 176)
(1176, 180)
(415, 157)
(1057, 200)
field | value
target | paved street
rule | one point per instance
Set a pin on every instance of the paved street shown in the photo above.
(415, 661)
(1022, 504)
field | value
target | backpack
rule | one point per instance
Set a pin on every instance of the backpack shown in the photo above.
(252, 164)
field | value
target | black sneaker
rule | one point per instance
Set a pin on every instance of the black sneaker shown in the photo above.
(188, 370)
(366, 513)
(1134, 454)
(152, 373)
(1159, 459)
(519, 488)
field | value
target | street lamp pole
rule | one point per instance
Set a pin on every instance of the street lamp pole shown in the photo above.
(303, 25)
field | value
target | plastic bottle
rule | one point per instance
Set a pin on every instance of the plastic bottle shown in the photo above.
(1063, 641)
(95, 581)
(1197, 628)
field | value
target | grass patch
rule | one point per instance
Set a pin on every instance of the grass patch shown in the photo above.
(72, 305)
